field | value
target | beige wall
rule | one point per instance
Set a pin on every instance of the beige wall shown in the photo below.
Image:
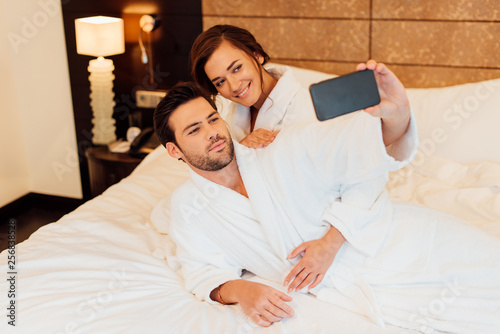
(37, 136)
(427, 43)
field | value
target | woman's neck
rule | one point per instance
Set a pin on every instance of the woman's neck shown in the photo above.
(268, 83)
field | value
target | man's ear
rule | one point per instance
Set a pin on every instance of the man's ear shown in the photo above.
(173, 150)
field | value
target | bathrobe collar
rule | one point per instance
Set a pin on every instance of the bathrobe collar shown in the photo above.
(274, 109)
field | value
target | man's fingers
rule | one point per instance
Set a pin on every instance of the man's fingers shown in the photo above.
(283, 296)
(279, 307)
(270, 316)
(260, 320)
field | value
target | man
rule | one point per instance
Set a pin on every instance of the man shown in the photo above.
(246, 209)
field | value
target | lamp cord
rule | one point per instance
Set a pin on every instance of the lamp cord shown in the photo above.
(144, 55)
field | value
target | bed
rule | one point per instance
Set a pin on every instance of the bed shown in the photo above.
(104, 268)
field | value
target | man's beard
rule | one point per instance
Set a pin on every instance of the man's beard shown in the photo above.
(207, 163)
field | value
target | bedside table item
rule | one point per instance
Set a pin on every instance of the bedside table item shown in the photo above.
(107, 168)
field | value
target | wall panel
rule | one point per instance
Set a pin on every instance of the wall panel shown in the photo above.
(295, 42)
(426, 43)
(287, 8)
(475, 10)
(465, 44)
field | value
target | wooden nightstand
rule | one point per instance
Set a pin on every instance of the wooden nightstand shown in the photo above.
(107, 168)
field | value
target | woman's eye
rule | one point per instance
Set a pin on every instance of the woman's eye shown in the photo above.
(219, 83)
(237, 68)
(215, 119)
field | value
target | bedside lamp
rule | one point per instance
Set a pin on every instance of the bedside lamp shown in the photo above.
(101, 36)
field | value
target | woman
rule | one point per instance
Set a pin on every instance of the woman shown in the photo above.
(227, 60)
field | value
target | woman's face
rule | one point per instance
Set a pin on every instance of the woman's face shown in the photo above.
(235, 75)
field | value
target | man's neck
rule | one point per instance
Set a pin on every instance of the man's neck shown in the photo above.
(228, 177)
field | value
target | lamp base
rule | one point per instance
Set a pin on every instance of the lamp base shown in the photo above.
(102, 100)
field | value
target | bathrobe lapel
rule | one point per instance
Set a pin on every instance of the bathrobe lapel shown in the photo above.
(238, 230)
(266, 206)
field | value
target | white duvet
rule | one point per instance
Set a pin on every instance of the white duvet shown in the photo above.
(104, 269)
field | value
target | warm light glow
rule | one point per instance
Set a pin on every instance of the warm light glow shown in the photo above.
(99, 36)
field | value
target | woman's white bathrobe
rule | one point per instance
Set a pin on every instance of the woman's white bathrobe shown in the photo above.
(407, 266)
(290, 103)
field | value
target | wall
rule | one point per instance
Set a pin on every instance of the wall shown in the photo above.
(37, 136)
(181, 22)
(427, 43)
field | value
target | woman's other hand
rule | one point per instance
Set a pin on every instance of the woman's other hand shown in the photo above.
(259, 138)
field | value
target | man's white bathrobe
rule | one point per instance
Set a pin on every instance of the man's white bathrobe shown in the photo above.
(407, 266)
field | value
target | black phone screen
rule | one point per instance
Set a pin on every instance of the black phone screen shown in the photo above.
(344, 94)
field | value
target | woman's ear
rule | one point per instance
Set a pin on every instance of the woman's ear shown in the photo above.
(259, 57)
(173, 150)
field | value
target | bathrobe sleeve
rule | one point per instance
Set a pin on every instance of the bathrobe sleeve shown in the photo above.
(362, 214)
(348, 149)
(205, 265)
(347, 157)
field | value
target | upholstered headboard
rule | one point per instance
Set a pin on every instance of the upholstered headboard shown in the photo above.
(426, 43)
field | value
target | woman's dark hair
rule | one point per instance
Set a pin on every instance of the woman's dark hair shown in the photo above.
(181, 93)
(210, 40)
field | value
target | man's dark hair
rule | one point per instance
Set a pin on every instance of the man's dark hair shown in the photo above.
(181, 93)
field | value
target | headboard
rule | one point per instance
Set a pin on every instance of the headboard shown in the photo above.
(426, 43)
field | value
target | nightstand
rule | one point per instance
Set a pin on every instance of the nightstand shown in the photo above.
(107, 168)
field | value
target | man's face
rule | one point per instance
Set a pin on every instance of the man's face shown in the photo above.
(203, 140)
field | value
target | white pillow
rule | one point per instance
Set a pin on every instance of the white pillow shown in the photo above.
(305, 76)
(460, 123)
(160, 216)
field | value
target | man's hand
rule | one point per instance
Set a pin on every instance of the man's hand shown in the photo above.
(394, 107)
(259, 138)
(318, 257)
(263, 304)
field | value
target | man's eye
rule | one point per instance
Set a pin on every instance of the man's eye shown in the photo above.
(193, 131)
(219, 83)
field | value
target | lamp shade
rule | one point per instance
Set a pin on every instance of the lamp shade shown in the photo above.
(99, 36)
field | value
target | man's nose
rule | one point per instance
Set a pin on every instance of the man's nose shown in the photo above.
(212, 132)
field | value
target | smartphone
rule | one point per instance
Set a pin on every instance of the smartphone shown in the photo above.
(344, 94)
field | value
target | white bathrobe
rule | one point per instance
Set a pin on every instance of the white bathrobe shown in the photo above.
(407, 266)
(290, 103)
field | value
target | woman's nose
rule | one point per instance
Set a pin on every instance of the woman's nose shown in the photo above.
(234, 84)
